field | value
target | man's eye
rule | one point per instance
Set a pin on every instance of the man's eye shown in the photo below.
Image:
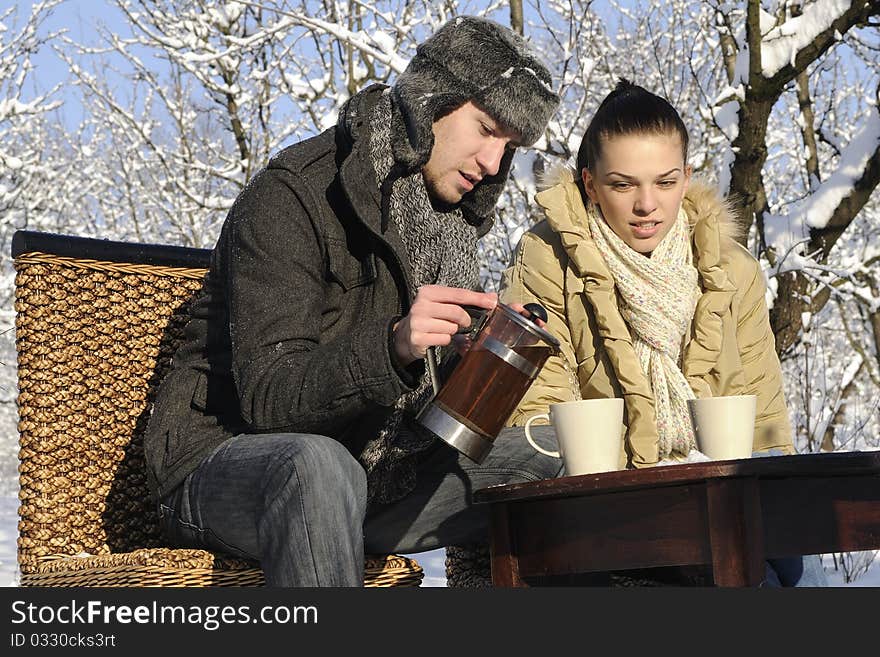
(620, 186)
(486, 130)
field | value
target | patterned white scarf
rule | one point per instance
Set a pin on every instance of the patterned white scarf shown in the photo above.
(657, 297)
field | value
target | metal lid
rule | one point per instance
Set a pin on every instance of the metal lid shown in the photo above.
(529, 325)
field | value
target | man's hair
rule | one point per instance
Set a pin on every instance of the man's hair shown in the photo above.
(629, 109)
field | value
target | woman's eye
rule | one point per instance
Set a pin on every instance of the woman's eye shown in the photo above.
(620, 186)
(666, 183)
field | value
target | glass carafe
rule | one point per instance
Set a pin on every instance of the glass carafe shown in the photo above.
(488, 382)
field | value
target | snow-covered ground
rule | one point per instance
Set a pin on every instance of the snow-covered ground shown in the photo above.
(433, 562)
(8, 535)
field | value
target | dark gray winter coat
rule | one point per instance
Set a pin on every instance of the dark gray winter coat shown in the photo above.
(292, 333)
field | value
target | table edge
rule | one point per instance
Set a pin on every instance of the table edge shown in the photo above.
(796, 465)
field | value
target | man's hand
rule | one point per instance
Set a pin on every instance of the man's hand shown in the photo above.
(435, 316)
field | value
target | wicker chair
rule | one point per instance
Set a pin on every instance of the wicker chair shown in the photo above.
(96, 325)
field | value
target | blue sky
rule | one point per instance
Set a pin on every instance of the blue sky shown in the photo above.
(77, 18)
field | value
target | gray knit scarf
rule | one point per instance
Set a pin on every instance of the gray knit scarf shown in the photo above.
(441, 248)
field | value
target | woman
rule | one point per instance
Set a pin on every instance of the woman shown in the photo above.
(650, 295)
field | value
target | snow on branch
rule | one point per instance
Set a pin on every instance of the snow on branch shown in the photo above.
(376, 45)
(781, 45)
(16, 50)
(819, 207)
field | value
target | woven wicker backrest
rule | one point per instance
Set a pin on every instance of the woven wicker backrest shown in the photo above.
(94, 337)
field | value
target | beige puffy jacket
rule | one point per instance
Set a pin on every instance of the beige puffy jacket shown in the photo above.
(729, 349)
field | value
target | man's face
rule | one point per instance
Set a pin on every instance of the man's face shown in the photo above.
(468, 145)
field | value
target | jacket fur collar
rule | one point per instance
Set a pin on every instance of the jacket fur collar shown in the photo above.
(702, 202)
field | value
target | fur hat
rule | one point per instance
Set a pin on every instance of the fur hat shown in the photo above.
(470, 59)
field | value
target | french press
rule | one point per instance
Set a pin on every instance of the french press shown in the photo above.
(489, 380)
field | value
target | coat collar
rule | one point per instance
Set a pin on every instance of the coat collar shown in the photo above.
(357, 179)
(356, 173)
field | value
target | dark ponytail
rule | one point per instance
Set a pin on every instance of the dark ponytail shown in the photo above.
(629, 109)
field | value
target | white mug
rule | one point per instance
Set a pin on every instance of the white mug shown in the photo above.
(589, 433)
(724, 426)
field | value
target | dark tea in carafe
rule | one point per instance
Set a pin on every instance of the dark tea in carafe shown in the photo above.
(488, 382)
(487, 388)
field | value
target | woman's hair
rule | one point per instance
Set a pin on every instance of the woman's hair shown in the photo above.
(629, 109)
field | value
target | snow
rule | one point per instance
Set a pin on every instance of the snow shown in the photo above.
(781, 45)
(788, 231)
(8, 537)
(384, 40)
(837, 577)
(819, 208)
(727, 119)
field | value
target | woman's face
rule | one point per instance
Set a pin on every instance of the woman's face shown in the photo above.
(638, 183)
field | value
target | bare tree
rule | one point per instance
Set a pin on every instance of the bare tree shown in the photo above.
(30, 164)
(780, 50)
(23, 123)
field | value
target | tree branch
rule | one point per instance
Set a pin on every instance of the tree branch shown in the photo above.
(823, 239)
(857, 15)
(516, 16)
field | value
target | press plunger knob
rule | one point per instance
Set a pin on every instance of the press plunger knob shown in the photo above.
(536, 310)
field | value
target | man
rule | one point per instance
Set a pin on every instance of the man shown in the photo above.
(285, 431)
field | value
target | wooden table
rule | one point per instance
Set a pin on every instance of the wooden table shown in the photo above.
(729, 515)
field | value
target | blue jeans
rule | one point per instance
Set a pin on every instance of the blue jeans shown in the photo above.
(297, 504)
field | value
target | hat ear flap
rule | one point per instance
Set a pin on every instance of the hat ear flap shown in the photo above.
(420, 94)
(409, 141)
